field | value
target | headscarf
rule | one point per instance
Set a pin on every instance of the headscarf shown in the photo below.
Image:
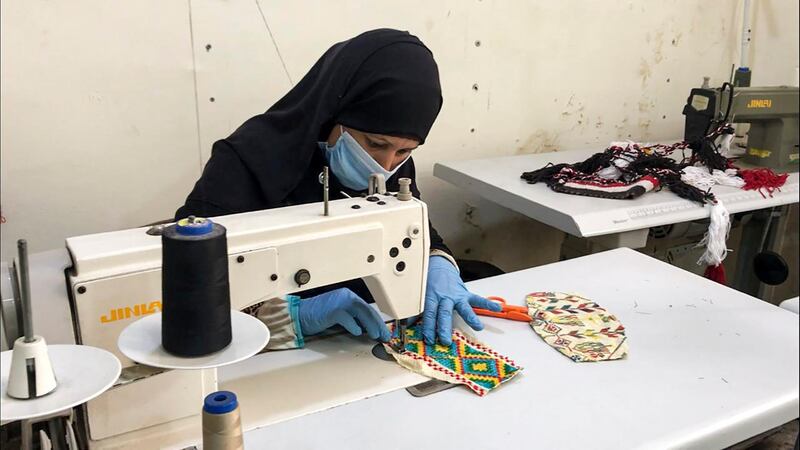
(382, 81)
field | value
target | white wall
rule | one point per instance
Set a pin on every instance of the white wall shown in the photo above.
(107, 117)
(98, 127)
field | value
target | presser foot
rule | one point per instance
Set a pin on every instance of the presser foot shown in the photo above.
(400, 326)
(379, 351)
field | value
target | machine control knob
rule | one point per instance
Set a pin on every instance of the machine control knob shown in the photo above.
(302, 277)
(414, 231)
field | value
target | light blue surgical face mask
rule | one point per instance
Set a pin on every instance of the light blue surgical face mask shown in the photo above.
(351, 164)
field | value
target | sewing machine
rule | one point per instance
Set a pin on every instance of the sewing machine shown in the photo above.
(772, 113)
(114, 278)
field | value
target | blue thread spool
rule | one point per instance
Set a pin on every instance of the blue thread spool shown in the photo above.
(222, 424)
(193, 226)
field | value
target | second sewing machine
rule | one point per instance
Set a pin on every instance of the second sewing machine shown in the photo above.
(771, 111)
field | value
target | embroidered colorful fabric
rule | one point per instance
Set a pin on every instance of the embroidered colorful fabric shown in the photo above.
(627, 170)
(465, 361)
(577, 327)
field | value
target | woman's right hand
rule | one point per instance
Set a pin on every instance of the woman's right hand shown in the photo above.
(343, 307)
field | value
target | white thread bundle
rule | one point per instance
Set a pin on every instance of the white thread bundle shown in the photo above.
(715, 239)
(725, 144)
(613, 171)
(699, 177)
(610, 173)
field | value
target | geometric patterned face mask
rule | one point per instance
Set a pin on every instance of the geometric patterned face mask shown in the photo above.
(465, 361)
(577, 327)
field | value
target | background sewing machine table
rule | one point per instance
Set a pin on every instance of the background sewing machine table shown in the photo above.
(708, 367)
(498, 180)
(616, 223)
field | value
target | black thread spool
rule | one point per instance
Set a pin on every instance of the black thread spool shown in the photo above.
(196, 301)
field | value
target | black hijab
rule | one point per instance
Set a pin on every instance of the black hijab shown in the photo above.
(382, 81)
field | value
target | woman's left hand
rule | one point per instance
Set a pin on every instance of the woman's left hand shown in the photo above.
(446, 292)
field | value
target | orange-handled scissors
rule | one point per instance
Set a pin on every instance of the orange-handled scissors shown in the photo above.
(519, 313)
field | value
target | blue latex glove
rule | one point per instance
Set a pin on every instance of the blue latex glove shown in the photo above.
(341, 306)
(446, 292)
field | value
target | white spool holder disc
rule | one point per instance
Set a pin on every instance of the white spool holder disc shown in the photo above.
(82, 373)
(141, 342)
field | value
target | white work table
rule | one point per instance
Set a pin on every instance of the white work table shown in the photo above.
(708, 367)
(498, 180)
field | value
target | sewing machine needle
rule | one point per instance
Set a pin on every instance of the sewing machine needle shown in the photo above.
(400, 326)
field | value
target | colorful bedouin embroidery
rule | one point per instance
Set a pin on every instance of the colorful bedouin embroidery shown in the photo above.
(577, 327)
(465, 361)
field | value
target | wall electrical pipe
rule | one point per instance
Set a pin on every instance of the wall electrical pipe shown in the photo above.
(746, 34)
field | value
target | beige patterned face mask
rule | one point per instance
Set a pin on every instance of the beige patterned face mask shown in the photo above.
(577, 327)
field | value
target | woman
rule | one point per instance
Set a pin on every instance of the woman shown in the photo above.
(363, 108)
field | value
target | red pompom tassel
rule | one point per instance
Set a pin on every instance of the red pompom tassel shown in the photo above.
(716, 273)
(766, 179)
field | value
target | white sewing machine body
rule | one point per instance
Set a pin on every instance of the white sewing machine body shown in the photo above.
(115, 278)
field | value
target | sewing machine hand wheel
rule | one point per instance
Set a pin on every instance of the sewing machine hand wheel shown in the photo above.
(770, 268)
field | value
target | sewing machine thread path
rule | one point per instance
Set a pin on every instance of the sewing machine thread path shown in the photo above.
(115, 278)
(772, 113)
